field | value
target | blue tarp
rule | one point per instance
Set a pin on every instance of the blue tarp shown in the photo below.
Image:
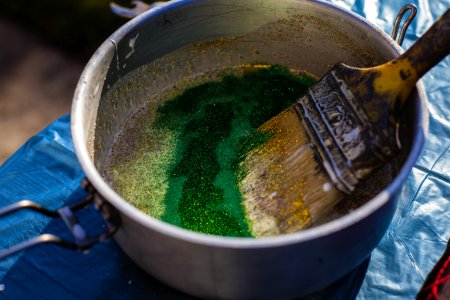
(46, 170)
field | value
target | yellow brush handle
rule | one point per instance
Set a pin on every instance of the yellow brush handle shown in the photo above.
(400, 75)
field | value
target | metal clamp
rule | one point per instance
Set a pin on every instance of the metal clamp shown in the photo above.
(82, 241)
(395, 31)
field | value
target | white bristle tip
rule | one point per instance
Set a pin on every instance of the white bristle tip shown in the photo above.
(327, 186)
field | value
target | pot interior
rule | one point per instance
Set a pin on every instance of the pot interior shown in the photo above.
(159, 54)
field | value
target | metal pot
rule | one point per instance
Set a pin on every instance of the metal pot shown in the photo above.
(300, 34)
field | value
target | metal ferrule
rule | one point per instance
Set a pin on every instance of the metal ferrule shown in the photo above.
(348, 146)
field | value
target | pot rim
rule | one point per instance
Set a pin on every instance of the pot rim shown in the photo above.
(173, 231)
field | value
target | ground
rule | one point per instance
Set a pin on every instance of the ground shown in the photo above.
(37, 82)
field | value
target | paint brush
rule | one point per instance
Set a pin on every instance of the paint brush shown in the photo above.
(335, 136)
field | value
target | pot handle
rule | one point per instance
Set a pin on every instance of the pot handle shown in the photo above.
(395, 31)
(82, 241)
(138, 8)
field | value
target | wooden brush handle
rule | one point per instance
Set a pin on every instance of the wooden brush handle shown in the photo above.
(397, 78)
(431, 48)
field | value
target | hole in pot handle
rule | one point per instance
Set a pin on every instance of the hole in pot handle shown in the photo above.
(82, 241)
(395, 31)
(138, 8)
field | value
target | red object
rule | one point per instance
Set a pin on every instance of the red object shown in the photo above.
(437, 284)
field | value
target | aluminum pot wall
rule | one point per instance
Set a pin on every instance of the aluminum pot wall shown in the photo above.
(306, 35)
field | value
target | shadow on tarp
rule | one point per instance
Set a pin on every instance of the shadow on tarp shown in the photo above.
(105, 272)
(50, 272)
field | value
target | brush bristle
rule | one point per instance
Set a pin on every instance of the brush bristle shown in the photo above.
(284, 188)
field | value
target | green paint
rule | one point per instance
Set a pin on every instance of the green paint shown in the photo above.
(217, 122)
(185, 171)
